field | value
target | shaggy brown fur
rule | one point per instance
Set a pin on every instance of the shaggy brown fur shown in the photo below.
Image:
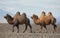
(18, 19)
(9, 19)
(45, 20)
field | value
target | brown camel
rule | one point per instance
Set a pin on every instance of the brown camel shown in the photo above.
(18, 19)
(45, 20)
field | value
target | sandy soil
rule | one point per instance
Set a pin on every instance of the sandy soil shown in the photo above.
(6, 32)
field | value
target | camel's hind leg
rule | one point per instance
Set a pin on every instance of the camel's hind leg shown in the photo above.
(54, 26)
(30, 28)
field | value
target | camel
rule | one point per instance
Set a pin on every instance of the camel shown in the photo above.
(18, 19)
(45, 20)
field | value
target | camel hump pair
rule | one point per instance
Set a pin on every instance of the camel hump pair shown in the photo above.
(47, 17)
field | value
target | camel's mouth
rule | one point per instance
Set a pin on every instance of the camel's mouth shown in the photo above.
(5, 17)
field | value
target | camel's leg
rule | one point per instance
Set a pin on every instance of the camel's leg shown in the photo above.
(25, 28)
(13, 28)
(30, 28)
(17, 25)
(17, 28)
(41, 27)
(55, 26)
(45, 27)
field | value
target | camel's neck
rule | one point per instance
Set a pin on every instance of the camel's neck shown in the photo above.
(10, 20)
(36, 21)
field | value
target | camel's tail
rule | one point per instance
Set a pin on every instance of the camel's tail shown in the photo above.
(54, 20)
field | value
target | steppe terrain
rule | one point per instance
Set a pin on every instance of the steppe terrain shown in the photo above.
(6, 31)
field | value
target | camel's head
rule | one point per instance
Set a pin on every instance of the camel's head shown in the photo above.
(7, 15)
(34, 16)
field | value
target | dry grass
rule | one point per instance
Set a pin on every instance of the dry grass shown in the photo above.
(6, 32)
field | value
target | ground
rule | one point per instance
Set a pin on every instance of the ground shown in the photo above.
(6, 31)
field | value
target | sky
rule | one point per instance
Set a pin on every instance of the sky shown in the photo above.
(31, 7)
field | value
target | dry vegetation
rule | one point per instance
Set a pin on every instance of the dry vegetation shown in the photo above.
(6, 32)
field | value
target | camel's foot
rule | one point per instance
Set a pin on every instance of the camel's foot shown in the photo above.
(12, 31)
(54, 31)
(40, 32)
(31, 32)
(46, 32)
(23, 31)
(17, 31)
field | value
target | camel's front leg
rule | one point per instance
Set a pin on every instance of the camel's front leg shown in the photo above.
(45, 28)
(17, 25)
(41, 27)
(17, 28)
(13, 28)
